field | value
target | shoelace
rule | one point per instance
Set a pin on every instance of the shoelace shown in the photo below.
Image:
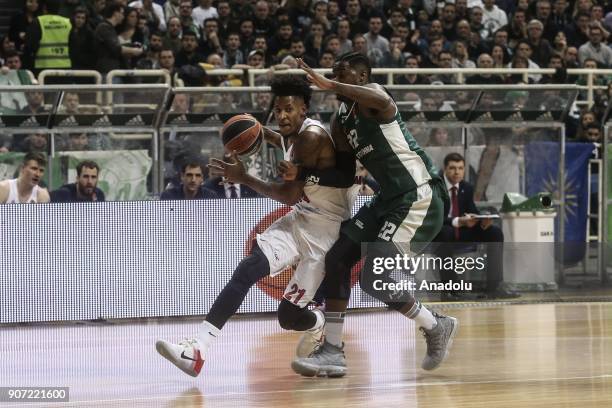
(434, 343)
(187, 342)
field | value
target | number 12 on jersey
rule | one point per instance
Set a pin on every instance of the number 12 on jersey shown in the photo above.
(387, 231)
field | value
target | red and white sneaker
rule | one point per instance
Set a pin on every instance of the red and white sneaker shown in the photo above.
(185, 355)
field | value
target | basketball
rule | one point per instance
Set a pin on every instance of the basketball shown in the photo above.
(242, 134)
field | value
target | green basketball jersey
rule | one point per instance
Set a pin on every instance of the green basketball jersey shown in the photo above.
(388, 152)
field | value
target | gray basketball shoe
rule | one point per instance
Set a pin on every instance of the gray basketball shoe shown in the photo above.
(327, 360)
(439, 340)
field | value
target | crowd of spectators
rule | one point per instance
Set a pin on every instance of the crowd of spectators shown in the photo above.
(189, 37)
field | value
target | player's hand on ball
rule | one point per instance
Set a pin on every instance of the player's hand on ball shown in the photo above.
(288, 170)
(233, 171)
(315, 78)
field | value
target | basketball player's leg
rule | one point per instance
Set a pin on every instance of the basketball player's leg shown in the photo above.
(329, 359)
(410, 229)
(264, 260)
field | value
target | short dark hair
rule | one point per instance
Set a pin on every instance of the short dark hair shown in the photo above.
(111, 8)
(593, 125)
(187, 33)
(215, 19)
(356, 59)
(453, 157)
(292, 85)
(193, 162)
(11, 54)
(90, 164)
(38, 157)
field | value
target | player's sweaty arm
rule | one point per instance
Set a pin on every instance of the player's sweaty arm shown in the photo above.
(342, 175)
(306, 149)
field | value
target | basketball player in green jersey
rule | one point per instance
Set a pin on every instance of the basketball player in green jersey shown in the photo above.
(407, 212)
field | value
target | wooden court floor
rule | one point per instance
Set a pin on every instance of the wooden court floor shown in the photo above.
(542, 355)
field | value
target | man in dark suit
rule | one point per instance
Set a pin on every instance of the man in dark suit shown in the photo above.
(192, 184)
(460, 225)
(229, 190)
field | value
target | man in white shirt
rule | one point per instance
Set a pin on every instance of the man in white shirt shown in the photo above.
(493, 18)
(203, 11)
(25, 188)
(147, 5)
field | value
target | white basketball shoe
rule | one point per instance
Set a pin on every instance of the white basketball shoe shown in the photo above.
(185, 355)
(311, 339)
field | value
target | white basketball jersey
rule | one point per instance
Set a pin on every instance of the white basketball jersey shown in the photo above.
(332, 202)
(13, 197)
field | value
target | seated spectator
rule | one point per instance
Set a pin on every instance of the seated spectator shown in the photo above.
(298, 50)
(35, 104)
(172, 38)
(70, 103)
(171, 10)
(85, 189)
(577, 32)
(344, 35)
(413, 79)
(233, 55)
(211, 40)
(500, 59)
(484, 61)
(153, 12)
(77, 142)
(25, 188)
(189, 54)
(596, 48)
(461, 58)
(493, 17)
(326, 60)
(191, 187)
(229, 190)
(82, 52)
(373, 36)
(34, 142)
(541, 47)
(523, 50)
(187, 23)
(151, 57)
(592, 133)
(12, 60)
(204, 11)
(460, 225)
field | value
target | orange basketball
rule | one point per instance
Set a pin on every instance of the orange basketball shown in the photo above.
(242, 134)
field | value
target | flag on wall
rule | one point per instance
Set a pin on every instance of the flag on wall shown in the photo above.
(542, 175)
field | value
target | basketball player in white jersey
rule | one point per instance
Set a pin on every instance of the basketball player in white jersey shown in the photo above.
(25, 188)
(303, 236)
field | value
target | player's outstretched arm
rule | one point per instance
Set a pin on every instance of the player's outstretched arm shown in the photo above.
(372, 96)
(288, 193)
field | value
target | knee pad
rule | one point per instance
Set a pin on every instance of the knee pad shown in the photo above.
(290, 316)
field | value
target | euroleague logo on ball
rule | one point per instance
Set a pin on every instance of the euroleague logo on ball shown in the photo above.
(275, 286)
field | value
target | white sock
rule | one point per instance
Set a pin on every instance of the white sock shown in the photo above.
(320, 320)
(207, 336)
(421, 316)
(334, 322)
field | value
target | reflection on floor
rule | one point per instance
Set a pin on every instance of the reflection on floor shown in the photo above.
(504, 356)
